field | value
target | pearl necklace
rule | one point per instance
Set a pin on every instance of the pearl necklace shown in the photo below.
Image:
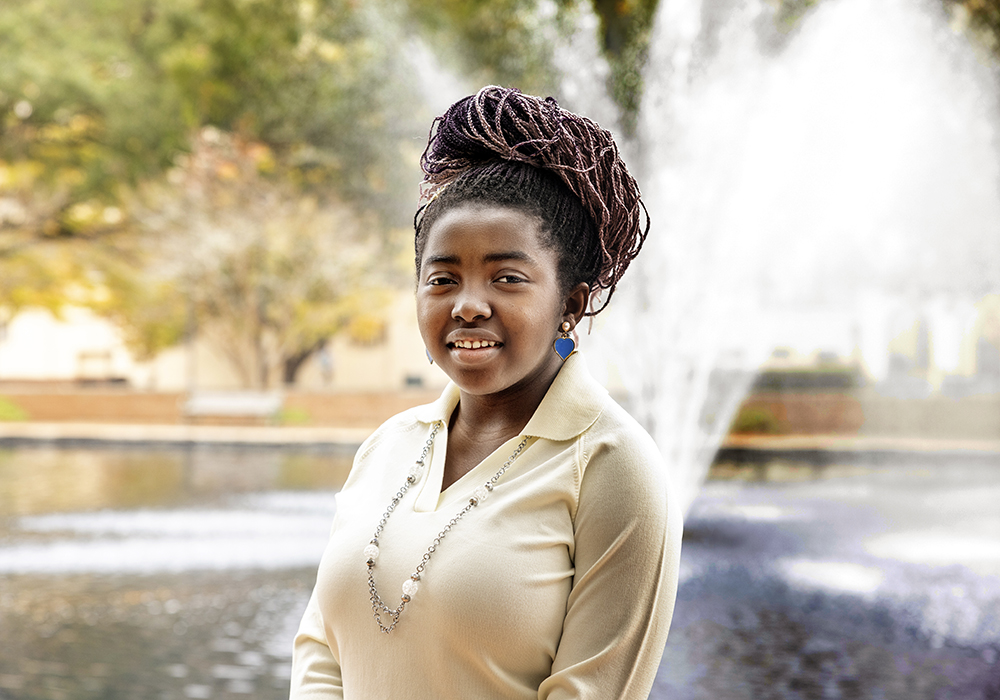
(410, 585)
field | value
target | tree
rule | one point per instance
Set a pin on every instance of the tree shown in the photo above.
(128, 81)
(267, 272)
(96, 98)
(39, 278)
(503, 41)
(981, 18)
(99, 101)
(626, 27)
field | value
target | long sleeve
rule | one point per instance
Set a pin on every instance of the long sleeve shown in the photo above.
(315, 671)
(627, 550)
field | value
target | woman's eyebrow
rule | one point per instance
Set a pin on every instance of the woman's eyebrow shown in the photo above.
(444, 259)
(499, 256)
(508, 255)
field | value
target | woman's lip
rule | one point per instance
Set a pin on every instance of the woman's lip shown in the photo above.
(473, 356)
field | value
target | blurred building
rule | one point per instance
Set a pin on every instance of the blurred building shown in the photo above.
(945, 346)
(83, 349)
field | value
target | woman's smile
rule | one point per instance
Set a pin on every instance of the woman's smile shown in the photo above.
(474, 351)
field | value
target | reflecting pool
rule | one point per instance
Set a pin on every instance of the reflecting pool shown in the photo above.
(164, 573)
(878, 578)
(183, 573)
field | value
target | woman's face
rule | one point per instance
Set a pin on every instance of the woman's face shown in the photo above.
(489, 303)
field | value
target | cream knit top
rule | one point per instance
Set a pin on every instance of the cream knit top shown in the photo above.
(560, 585)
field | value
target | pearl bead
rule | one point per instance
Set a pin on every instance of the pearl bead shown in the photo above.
(410, 587)
(481, 493)
(371, 552)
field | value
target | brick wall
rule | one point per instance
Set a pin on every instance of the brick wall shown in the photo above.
(352, 410)
(865, 413)
(783, 413)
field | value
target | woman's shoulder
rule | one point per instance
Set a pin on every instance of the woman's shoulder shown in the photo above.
(402, 424)
(616, 444)
(615, 428)
(391, 445)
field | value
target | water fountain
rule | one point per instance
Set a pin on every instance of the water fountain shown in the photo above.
(819, 172)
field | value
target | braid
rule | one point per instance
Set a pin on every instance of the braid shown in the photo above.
(501, 146)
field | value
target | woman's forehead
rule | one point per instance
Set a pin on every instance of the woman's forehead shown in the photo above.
(484, 232)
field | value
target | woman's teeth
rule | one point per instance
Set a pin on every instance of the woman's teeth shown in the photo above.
(475, 344)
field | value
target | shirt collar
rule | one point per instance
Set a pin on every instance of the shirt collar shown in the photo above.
(570, 406)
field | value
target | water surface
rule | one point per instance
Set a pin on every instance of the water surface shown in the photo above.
(175, 574)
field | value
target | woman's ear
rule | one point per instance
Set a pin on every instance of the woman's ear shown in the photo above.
(576, 303)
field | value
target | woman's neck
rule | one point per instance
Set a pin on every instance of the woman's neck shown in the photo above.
(502, 414)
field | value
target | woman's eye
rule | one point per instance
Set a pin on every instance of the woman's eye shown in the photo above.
(510, 279)
(435, 281)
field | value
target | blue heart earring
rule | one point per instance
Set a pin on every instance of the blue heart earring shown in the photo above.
(564, 344)
(429, 358)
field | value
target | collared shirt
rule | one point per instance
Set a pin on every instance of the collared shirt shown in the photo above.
(560, 584)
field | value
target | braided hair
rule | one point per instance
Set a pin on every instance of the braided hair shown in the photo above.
(505, 148)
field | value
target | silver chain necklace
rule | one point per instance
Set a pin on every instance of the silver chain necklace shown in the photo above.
(371, 552)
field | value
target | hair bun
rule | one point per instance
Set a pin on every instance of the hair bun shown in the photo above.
(504, 124)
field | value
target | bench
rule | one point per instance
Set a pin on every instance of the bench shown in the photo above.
(233, 407)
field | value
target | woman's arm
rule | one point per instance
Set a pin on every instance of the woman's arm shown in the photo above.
(315, 671)
(628, 535)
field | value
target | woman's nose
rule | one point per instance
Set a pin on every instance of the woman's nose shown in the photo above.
(471, 305)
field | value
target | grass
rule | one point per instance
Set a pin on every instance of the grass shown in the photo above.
(10, 411)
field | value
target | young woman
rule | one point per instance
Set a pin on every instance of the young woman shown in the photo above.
(516, 538)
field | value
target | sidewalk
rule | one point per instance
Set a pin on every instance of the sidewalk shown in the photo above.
(112, 434)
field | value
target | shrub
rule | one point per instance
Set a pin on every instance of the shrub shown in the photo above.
(755, 419)
(294, 416)
(10, 411)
